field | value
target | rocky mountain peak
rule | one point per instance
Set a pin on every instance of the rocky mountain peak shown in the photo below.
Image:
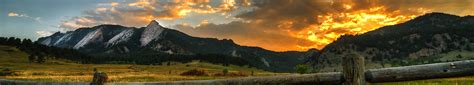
(156, 40)
(151, 32)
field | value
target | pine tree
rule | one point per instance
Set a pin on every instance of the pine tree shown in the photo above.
(32, 58)
(40, 58)
(225, 71)
(468, 48)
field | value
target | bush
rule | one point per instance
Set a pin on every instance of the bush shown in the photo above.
(252, 73)
(194, 72)
(302, 69)
(233, 74)
(225, 71)
(7, 72)
(39, 73)
(6, 69)
(458, 56)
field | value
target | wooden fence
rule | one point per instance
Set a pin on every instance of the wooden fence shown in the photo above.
(353, 74)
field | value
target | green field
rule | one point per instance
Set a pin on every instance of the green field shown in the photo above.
(15, 61)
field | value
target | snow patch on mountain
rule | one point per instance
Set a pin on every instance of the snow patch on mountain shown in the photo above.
(121, 37)
(151, 32)
(88, 38)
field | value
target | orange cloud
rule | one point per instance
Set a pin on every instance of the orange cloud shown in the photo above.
(69, 25)
(43, 33)
(114, 3)
(139, 13)
(334, 25)
(279, 25)
(323, 21)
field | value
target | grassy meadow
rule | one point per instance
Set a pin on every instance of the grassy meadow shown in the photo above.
(16, 62)
(443, 81)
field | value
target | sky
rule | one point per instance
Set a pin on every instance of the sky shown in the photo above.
(278, 25)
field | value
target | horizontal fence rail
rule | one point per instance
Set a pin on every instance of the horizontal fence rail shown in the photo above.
(418, 72)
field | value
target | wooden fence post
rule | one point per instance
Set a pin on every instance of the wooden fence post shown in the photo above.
(353, 69)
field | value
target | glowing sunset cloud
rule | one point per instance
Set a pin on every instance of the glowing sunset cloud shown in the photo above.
(279, 25)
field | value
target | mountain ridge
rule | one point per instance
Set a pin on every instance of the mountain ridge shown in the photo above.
(422, 40)
(116, 40)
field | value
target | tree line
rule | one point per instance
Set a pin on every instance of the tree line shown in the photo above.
(39, 53)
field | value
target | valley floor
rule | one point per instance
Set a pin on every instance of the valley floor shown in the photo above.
(14, 65)
(16, 62)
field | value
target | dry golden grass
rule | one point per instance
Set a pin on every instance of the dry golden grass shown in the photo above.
(67, 71)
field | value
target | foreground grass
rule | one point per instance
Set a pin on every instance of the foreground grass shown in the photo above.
(66, 71)
(443, 81)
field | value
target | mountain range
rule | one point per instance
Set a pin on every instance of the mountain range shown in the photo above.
(430, 38)
(116, 40)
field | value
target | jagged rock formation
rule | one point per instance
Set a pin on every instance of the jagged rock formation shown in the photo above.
(116, 40)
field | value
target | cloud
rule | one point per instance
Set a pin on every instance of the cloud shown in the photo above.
(69, 25)
(44, 33)
(272, 24)
(113, 4)
(13, 14)
(245, 33)
(309, 24)
(139, 13)
(323, 21)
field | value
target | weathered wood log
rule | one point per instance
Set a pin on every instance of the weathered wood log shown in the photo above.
(353, 69)
(418, 72)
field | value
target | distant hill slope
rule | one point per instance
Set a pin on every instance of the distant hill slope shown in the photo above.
(116, 40)
(15, 65)
(429, 38)
(12, 55)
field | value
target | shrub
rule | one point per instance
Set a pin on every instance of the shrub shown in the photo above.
(225, 71)
(252, 73)
(302, 69)
(232, 74)
(7, 72)
(194, 72)
(458, 56)
(39, 73)
(6, 69)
